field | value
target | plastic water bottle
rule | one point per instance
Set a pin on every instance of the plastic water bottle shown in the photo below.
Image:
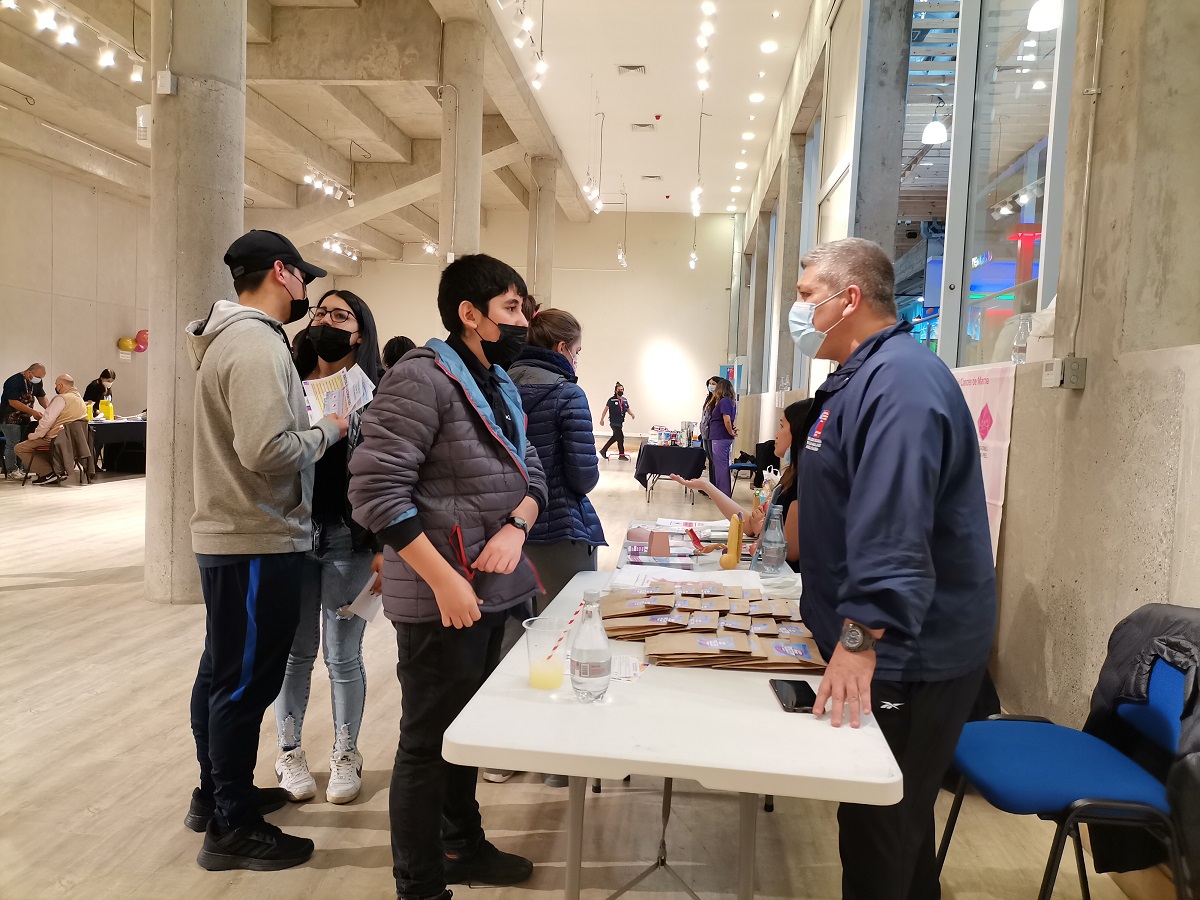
(591, 657)
(773, 545)
(1021, 338)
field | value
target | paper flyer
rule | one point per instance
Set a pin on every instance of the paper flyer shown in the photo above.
(342, 393)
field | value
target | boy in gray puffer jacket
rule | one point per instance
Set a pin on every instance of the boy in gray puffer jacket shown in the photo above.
(447, 478)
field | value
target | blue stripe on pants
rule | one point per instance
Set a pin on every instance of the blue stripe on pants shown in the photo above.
(251, 629)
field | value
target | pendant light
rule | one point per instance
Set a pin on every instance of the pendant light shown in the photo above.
(1045, 15)
(935, 132)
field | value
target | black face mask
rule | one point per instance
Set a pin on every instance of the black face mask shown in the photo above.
(299, 307)
(331, 344)
(503, 352)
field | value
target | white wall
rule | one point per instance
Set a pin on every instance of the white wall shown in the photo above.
(658, 327)
(74, 278)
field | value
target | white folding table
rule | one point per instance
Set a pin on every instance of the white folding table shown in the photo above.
(724, 729)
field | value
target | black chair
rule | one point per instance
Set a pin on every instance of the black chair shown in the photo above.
(1030, 766)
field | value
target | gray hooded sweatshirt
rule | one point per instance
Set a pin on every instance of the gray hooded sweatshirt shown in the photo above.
(254, 449)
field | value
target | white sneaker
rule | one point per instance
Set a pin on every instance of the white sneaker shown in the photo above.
(291, 767)
(345, 770)
(497, 776)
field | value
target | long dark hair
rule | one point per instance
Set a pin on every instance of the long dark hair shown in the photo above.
(710, 397)
(366, 352)
(794, 415)
(724, 390)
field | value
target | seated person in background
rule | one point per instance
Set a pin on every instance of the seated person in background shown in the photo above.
(17, 410)
(395, 349)
(67, 406)
(100, 389)
(790, 433)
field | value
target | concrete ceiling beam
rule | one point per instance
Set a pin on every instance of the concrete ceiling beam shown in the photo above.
(359, 105)
(373, 242)
(266, 188)
(30, 134)
(515, 100)
(267, 124)
(258, 21)
(510, 180)
(380, 41)
(381, 188)
(426, 224)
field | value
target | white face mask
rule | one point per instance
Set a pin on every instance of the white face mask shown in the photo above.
(800, 324)
(35, 380)
(711, 388)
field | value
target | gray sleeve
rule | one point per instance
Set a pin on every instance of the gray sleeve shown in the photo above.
(265, 436)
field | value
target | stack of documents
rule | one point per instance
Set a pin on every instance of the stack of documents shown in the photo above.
(344, 392)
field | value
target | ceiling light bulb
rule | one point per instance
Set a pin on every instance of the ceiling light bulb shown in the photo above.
(691, 263)
(736, 189)
(708, 7)
(541, 66)
(340, 193)
(337, 247)
(702, 42)
(517, 17)
(1045, 15)
(1023, 197)
(768, 46)
(702, 84)
(521, 39)
(738, 178)
(934, 133)
(527, 23)
(751, 118)
(1022, 71)
(762, 74)
(775, 14)
(1031, 43)
(319, 183)
(66, 34)
(702, 65)
(707, 28)
(308, 179)
(45, 20)
(731, 208)
(599, 205)
(1039, 85)
(740, 164)
(326, 245)
(136, 74)
(757, 97)
(743, 153)
(108, 59)
(8, 4)
(536, 84)
(1029, 57)
(747, 136)
(696, 211)
(1006, 209)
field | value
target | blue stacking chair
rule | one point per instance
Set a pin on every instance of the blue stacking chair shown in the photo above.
(738, 469)
(1030, 766)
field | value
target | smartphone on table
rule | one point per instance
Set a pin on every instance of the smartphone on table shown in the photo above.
(794, 695)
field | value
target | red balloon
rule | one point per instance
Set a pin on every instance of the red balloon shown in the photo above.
(142, 339)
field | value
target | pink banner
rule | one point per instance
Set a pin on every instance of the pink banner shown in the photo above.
(989, 394)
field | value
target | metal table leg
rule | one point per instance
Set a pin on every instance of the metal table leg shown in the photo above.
(576, 790)
(747, 832)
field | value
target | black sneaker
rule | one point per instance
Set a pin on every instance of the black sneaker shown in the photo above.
(488, 866)
(200, 810)
(623, 458)
(258, 846)
(51, 478)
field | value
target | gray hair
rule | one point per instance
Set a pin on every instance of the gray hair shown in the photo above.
(859, 262)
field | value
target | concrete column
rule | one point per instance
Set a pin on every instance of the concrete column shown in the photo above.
(787, 258)
(198, 147)
(757, 329)
(543, 206)
(880, 152)
(462, 137)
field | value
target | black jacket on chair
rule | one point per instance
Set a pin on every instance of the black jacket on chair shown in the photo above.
(1171, 633)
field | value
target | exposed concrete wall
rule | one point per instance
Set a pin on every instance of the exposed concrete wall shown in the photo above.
(1103, 506)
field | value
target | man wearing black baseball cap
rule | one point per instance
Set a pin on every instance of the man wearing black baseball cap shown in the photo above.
(254, 454)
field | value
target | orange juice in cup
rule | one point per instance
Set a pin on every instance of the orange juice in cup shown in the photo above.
(546, 640)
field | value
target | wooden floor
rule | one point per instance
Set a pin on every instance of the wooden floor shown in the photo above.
(98, 759)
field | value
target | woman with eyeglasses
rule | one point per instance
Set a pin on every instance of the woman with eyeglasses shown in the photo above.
(340, 335)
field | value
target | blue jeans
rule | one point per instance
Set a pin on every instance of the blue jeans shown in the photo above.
(13, 435)
(335, 574)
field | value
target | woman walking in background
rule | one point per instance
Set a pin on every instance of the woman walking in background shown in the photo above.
(722, 430)
(615, 410)
(564, 539)
(710, 401)
(340, 335)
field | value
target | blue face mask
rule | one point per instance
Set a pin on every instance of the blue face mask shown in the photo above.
(804, 332)
(787, 457)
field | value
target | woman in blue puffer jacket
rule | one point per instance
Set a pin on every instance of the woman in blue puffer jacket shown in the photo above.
(564, 539)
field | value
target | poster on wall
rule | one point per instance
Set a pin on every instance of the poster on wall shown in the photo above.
(989, 394)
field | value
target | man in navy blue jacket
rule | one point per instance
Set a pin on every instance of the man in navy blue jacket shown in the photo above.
(895, 552)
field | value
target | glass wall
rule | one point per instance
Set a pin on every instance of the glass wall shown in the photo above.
(1009, 156)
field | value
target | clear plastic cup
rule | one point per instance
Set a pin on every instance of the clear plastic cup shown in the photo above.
(546, 640)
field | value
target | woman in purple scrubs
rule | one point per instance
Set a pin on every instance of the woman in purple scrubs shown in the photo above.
(722, 430)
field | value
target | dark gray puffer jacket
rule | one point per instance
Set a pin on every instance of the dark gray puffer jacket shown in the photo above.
(431, 448)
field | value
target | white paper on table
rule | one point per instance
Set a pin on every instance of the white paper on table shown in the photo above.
(366, 605)
(644, 576)
(716, 524)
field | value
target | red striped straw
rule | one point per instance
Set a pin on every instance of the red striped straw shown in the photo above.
(567, 630)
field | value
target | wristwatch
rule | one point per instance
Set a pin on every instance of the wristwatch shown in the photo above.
(857, 639)
(519, 522)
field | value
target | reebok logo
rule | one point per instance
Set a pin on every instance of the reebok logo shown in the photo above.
(887, 704)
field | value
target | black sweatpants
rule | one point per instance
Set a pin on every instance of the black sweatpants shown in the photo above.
(618, 438)
(889, 852)
(253, 607)
(432, 804)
